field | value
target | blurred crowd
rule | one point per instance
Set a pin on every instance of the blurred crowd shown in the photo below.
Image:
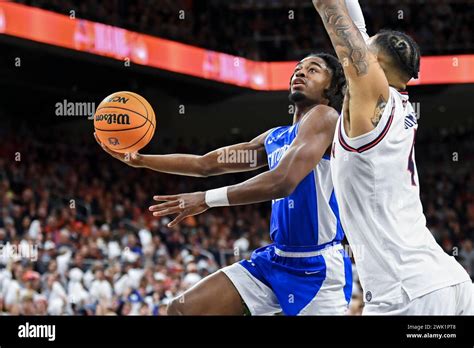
(275, 30)
(76, 237)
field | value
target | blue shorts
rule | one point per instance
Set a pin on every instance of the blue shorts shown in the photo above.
(278, 279)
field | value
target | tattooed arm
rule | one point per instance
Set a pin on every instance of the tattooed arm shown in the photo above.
(368, 86)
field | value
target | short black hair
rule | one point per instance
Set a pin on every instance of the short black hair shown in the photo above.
(403, 50)
(335, 92)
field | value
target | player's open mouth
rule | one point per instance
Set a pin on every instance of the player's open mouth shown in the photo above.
(298, 82)
(298, 87)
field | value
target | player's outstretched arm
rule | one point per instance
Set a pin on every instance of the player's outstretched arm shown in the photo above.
(315, 135)
(230, 159)
(368, 86)
(355, 12)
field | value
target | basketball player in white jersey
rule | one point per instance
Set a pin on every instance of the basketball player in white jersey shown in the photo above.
(403, 271)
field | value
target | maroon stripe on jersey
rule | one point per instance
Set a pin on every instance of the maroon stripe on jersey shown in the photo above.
(373, 142)
(342, 142)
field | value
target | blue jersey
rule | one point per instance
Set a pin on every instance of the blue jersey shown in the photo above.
(305, 270)
(309, 216)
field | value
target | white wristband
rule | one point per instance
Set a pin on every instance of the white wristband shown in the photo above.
(217, 197)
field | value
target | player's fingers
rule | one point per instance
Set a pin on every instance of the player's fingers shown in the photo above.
(165, 205)
(178, 219)
(167, 211)
(106, 149)
(97, 139)
(118, 155)
(100, 143)
(166, 198)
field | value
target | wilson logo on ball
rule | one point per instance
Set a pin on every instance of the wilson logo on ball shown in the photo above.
(113, 118)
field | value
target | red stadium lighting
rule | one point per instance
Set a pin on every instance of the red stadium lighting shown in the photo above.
(105, 40)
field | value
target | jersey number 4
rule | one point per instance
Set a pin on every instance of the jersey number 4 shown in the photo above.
(411, 160)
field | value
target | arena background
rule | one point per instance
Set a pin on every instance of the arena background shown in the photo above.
(99, 249)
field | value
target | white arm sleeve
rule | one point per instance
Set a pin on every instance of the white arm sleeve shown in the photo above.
(355, 12)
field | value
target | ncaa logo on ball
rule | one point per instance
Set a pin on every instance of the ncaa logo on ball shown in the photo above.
(118, 99)
(113, 141)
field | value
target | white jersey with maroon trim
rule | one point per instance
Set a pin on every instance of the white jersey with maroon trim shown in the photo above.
(376, 184)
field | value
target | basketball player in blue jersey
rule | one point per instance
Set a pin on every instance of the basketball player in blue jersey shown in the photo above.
(305, 270)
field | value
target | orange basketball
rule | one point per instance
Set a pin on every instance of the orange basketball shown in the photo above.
(124, 122)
